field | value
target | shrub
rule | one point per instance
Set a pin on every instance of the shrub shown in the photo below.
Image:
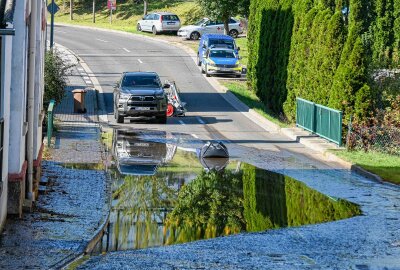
(55, 77)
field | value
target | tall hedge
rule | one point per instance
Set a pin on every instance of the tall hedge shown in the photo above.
(310, 49)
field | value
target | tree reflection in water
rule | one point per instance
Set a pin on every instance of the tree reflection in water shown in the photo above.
(155, 210)
(141, 210)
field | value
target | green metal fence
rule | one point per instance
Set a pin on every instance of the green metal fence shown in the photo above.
(321, 120)
(50, 118)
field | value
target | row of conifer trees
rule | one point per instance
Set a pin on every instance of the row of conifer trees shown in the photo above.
(322, 50)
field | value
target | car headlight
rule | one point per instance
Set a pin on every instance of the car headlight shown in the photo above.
(237, 65)
(124, 97)
(162, 96)
(212, 64)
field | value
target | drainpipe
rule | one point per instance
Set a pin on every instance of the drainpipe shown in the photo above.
(31, 96)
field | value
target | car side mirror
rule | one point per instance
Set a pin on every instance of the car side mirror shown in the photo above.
(166, 85)
(204, 46)
(238, 48)
(203, 25)
(240, 58)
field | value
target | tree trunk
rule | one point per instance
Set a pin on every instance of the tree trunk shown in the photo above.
(71, 8)
(94, 11)
(145, 2)
(226, 26)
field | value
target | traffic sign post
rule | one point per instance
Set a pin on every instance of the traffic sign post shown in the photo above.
(111, 5)
(52, 8)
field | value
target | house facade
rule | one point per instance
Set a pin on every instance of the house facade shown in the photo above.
(22, 108)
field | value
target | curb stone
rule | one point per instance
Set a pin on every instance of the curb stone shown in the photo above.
(235, 102)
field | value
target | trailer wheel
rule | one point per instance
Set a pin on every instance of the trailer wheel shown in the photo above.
(170, 110)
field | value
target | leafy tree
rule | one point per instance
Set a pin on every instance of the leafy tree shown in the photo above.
(221, 9)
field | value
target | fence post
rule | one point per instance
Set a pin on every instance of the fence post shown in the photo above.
(340, 128)
(349, 130)
(50, 121)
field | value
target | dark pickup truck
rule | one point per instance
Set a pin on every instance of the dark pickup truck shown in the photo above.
(140, 94)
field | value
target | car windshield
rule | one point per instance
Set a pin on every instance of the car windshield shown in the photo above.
(199, 23)
(141, 81)
(221, 43)
(222, 54)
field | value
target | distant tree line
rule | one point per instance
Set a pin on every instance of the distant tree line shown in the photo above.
(322, 50)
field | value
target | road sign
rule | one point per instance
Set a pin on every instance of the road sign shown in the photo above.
(53, 8)
(112, 4)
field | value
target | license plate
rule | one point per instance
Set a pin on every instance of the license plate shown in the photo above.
(143, 108)
(170, 23)
(225, 69)
(141, 144)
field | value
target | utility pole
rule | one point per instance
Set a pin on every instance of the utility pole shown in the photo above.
(111, 8)
(31, 96)
(71, 8)
(52, 25)
(94, 11)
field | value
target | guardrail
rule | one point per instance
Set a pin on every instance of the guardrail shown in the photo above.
(321, 120)
(50, 118)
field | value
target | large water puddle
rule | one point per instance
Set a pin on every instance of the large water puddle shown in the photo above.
(163, 195)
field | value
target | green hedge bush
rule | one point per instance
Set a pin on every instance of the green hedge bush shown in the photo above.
(309, 49)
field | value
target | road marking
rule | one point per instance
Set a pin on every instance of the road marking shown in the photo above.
(88, 82)
(140, 61)
(195, 136)
(181, 122)
(80, 69)
(102, 40)
(86, 78)
(125, 49)
(200, 120)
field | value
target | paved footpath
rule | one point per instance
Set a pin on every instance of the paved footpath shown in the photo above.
(74, 203)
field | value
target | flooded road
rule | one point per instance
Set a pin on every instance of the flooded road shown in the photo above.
(163, 194)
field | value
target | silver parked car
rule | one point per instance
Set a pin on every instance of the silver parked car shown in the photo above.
(159, 22)
(207, 26)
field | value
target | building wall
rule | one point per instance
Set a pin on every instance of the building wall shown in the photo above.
(18, 125)
(5, 99)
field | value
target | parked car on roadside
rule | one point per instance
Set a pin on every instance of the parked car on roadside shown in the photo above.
(140, 94)
(159, 22)
(215, 40)
(207, 26)
(221, 61)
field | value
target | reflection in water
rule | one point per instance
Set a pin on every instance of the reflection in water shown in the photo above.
(183, 202)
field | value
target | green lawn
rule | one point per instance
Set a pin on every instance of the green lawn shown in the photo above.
(240, 90)
(384, 165)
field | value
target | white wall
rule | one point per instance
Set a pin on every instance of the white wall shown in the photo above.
(18, 90)
(5, 99)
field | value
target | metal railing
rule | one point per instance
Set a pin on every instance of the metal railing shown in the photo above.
(321, 120)
(50, 118)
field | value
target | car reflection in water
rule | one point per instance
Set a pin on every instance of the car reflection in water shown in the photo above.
(135, 156)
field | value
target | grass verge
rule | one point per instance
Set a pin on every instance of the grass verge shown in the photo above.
(240, 90)
(384, 165)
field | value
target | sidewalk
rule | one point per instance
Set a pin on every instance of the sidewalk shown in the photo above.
(73, 206)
